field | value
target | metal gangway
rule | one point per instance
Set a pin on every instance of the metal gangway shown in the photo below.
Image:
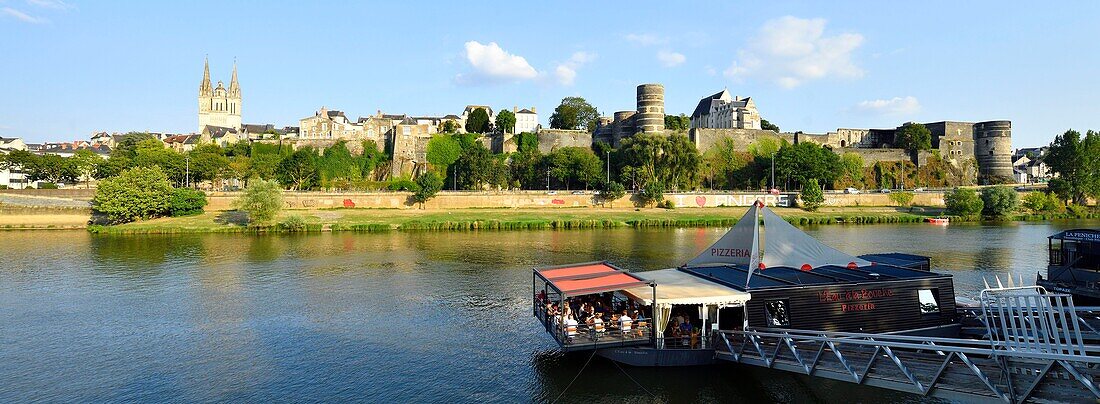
(1035, 353)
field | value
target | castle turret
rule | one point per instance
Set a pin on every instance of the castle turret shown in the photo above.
(651, 108)
(993, 149)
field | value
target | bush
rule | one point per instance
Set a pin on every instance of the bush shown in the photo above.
(262, 200)
(186, 202)
(1078, 211)
(135, 194)
(427, 184)
(812, 197)
(1042, 202)
(402, 184)
(963, 202)
(666, 204)
(47, 185)
(903, 199)
(999, 201)
(293, 223)
(653, 191)
(611, 192)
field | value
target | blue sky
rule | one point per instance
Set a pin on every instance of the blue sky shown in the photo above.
(70, 68)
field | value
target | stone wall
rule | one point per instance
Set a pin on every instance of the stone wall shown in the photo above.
(551, 139)
(705, 138)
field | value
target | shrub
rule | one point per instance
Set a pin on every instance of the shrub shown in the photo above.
(137, 193)
(611, 192)
(1078, 211)
(1042, 202)
(428, 184)
(186, 202)
(47, 185)
(812, 197)
(666, 204)
(653, 191)
(293, 223)
(402, 184)
(902, 198)
(999, 201)
(262, 200)
(963, 202)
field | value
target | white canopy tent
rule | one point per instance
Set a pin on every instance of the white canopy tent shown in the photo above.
(676, 287)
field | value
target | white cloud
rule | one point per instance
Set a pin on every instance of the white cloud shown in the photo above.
(21, 16)
(790, 51)
(894, 106)
(493, 64)
(670, 58)
(646, 39)
(54, 4)
(566, 73)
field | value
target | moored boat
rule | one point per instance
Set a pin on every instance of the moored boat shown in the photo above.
(1073, 265)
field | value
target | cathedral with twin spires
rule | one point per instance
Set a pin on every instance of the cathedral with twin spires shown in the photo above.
(219, 107)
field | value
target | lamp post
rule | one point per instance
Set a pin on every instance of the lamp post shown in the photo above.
(609, 166)
(547, 180)
(187, 171)
(773, 172)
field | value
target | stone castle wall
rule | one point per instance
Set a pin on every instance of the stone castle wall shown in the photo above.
(552, 139)
(705, 138)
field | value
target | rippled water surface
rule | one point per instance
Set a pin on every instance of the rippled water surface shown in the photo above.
(401, 316)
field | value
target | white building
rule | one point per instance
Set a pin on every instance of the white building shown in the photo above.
(723, 111)
(527, 120)
(12, 177)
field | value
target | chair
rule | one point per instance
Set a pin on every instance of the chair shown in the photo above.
(570, 331)
(625, 328)
(598, 327)
(642, 326)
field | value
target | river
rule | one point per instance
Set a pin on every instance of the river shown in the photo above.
(399, 316)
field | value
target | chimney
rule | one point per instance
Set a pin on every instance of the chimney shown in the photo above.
(515, 108)
(379, 113)
(533, 110)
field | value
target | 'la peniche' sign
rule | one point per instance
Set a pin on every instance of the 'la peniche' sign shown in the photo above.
(854, 300)
(1079, 235)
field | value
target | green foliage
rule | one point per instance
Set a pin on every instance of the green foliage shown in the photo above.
(47, 185)
(135, 194)
(999, 201)
(765, 125)
(448, 126)
(666, 204)
(1076, 162)
(429, 184)
(805, 161)
(653, 191)
(262, 200)
(575, 164)
(85, 162)
(526, 142)
(477, 168)
(443, 150)
(851, 171)
(1042, 202)
(207, 163)
(186, 202)
(963, 202)
(611, 192)
(574, 113)
(506, 121)
(723, 166)
(902, 198)
(912, 137)
(766, 146)
(647, 157)
(293, 223)
(812, 196)
(677, 123)
(299, 170)
(478, 121)
(402, 184)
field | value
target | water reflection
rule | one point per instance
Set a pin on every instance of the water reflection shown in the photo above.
(417, 316)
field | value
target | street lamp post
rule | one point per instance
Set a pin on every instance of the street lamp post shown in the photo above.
(547, 180)
(609, 166)
(773, 172)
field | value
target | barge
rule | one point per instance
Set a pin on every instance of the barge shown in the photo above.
(1073, 265)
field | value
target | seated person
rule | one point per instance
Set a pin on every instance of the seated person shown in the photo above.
(625, 323)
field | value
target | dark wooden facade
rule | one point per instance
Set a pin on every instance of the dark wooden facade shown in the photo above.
(867, 307)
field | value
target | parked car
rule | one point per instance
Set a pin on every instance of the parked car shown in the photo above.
(851, 190)
(551, 192)
(578, 192)
(884, 190)
(918, 189)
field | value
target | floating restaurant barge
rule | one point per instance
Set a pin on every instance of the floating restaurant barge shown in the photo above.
(1074, 265)
(795, 304)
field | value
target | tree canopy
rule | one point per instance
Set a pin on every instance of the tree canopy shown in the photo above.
(575, 113)
(804, 161)
(765, 125)
(677, 123)
(506, 121)
(443, 150)
(478, 121)
(1076, 162)
(913, 137)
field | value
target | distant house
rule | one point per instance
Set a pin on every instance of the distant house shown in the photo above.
(220, 136)
(12, 176)
(261, 131)
(527, 120)
(182, 143)
(329, 125)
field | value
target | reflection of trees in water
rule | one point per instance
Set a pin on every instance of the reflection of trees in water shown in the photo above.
(141, 255)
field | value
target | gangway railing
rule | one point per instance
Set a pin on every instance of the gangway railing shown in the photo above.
(951, 368)
(1027, 318)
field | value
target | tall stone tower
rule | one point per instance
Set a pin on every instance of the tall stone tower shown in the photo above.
(993, 149)
(217, 105)
(651, 108)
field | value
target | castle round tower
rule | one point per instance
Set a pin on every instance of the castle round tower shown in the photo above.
(993, 148)
(651, 108)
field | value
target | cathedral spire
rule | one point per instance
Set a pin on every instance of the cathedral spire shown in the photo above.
(234, 87)
(205, 87)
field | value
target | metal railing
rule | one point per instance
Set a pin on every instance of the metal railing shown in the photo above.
(607, 333)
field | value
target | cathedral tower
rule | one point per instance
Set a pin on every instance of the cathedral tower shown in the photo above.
(219, 106)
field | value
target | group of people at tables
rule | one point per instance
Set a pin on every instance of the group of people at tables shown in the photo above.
(597, 315)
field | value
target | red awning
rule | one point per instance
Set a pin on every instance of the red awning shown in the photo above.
(582, 279)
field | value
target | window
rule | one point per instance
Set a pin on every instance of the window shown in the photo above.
(777, 314)
(929, 303)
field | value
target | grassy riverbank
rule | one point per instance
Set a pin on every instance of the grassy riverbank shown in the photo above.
(375, 220)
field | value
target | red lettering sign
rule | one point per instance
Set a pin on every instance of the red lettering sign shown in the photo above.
(348, 203)
(558, 201)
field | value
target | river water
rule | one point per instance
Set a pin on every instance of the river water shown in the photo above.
(399, 316)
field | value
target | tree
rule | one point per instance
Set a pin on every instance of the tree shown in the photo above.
(443, 150)
(765, 125)
(477, 168)
(902, 198)
(526, 142)
(135, 194)
(506, 121)
(574, 113)
(186, 202)
(478, 121)
(851, 171)
(264, 165)
(262, 200)
(913, 137)
(804, 161)
(207, 163)
(430, 184)
(568, 164)
(999, 201)
(963, 202)
(1042, 202)
(812, 196)
(611, 192)
(86, 162)
(448, 126)
(1076, 162)
(652, 192)
(299, 170)
(336, 165)
(679, 162)
(677, 123)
